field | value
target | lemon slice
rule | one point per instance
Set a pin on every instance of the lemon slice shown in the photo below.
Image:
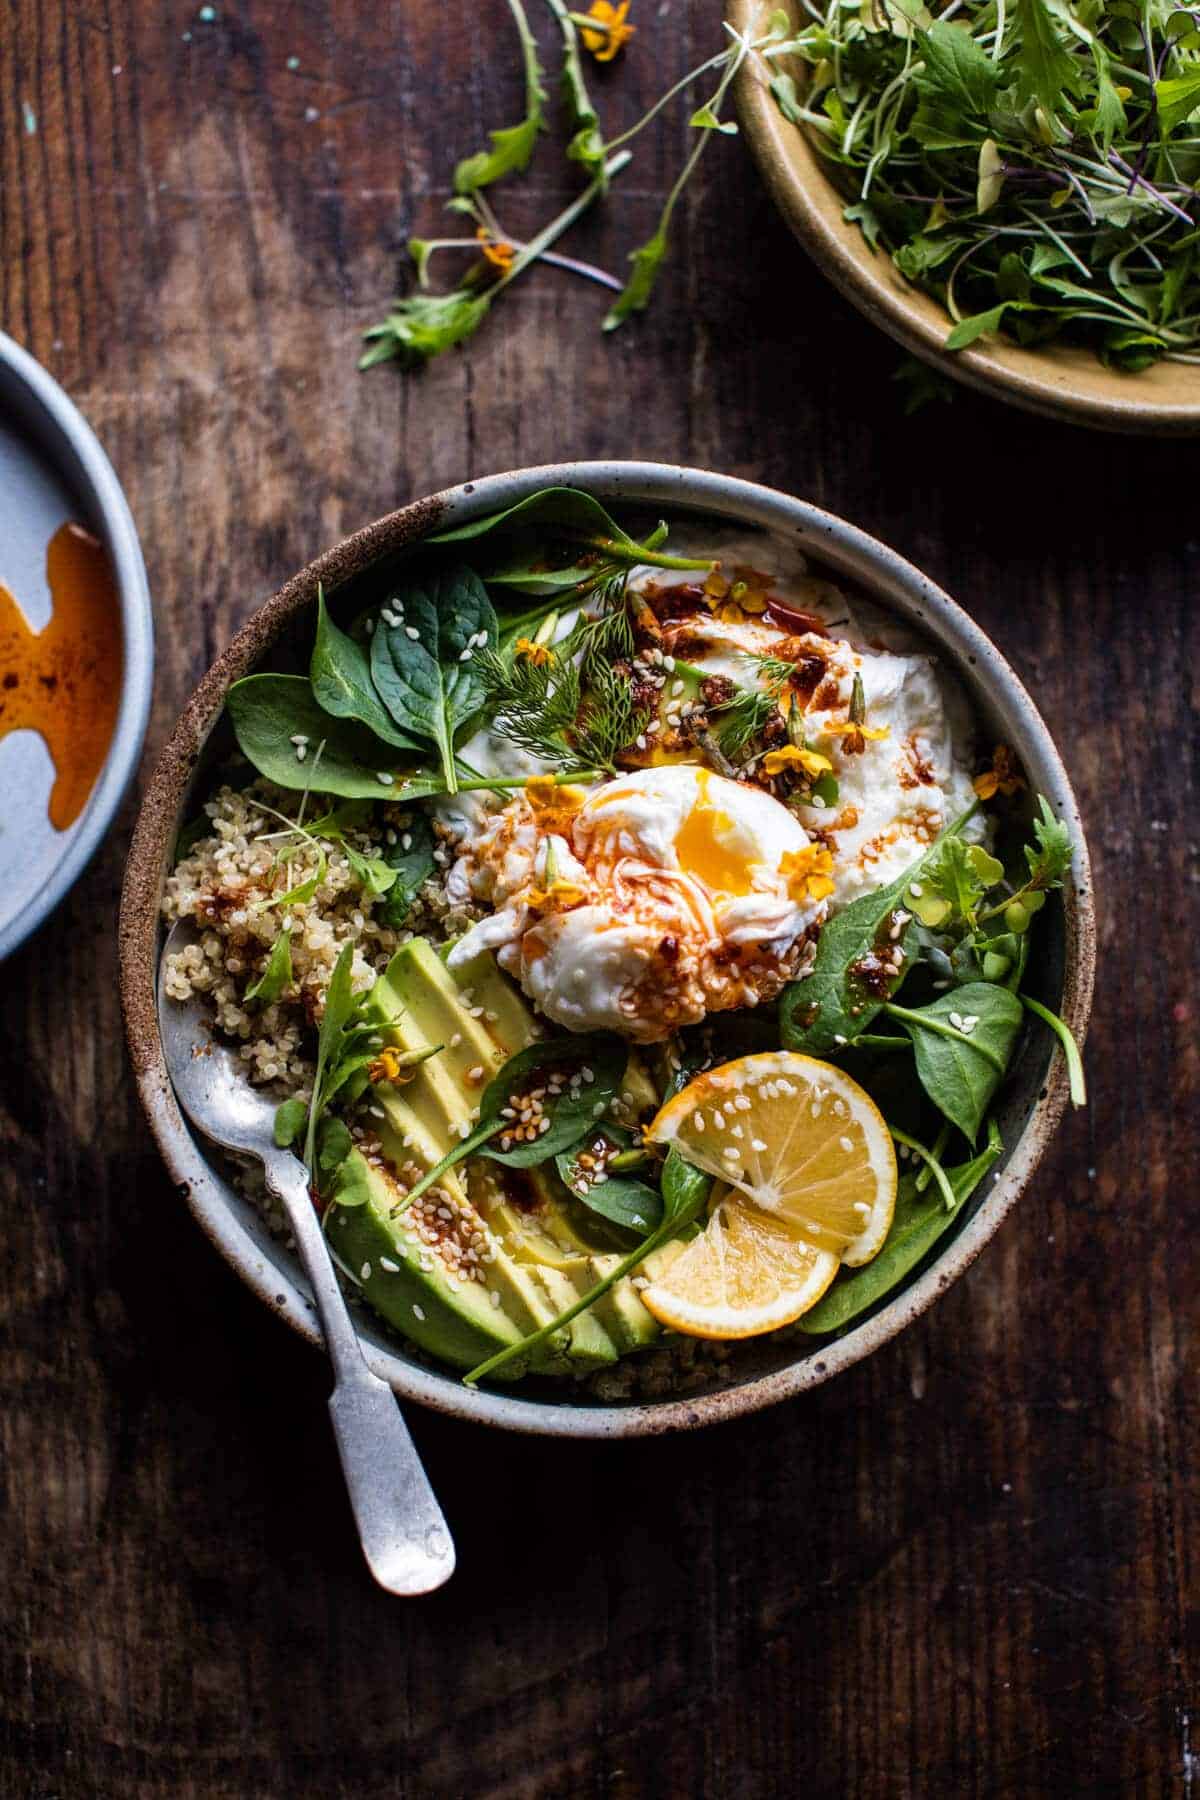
(809, 1174)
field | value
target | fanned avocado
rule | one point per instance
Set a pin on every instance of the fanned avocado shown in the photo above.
(535, 1262)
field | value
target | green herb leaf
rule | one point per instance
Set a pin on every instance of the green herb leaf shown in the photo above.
(513, 145)
(617, 1198)
(961, 1064)
(276, 975)
(334, 1145)
(956, 89)
(422, 326)
(342, 758)
(373, 874)
(340, 676)
(290, 1119)
(1070, 1048)
(846, 989)
(1049, 856)
(554, 525)
(423, 667)
(1177, 99)
(1044, 68)
(920, 1220)
(412, 864)
(968, 331)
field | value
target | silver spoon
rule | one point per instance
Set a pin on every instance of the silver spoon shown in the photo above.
(404, 1536)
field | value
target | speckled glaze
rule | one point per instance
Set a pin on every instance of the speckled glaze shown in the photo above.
(52, 468)
(1058, 382)
(1035, 1097)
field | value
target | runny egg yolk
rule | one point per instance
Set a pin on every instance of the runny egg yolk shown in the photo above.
(702, 846)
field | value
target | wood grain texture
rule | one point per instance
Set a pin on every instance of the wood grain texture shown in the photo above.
(966, 1568)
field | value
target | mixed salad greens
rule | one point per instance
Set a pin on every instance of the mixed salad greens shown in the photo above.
(1032, 164)
(917, 990)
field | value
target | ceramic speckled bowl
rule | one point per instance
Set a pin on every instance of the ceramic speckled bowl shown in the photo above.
(54, 474)
(1058, 382)
(1034, 1096)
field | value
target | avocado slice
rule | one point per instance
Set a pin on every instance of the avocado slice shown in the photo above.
(540, 1262)
(414, 1289)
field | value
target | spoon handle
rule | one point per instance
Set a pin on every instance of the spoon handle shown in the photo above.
(403, 1533)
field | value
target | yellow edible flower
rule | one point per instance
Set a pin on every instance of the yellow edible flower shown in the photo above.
(390, 1066)
(497, 252)
(605, 44)
(857, 736)
(1001, 778)
(544, 794)
(793, 756)
(560, 896)
(807, 872)
(538, 654)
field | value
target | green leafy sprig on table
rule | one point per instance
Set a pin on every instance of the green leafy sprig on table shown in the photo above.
(1032, 165)
(425, 324)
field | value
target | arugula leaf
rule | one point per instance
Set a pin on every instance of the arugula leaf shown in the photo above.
(1044, 68)
(591, 1068)
(334, 1145)
(960, 1065)
(967, 331)
(413, 865)
(920, 1220)
(276, 974)
(956, 88)
(1176, 99)
(339, 1006)
(422, 326)
(373, 874)
(343, 758)
(422, 666)
(340, 676)
(847, 986)
(513, 145)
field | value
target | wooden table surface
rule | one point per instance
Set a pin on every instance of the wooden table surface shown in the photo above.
(965, 1568)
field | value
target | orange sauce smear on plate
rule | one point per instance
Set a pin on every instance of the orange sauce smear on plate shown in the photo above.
(65, 681)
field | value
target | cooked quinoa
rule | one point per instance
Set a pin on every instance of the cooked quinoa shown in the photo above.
(230, 882)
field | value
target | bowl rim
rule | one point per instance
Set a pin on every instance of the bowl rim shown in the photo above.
(1063, 383)
(633, 482)
(95, 483)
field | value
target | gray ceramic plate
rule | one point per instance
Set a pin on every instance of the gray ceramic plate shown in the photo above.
(54, 473)
(766, 1370)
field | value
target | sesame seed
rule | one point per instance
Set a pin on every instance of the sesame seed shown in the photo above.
(456, 1040)
(410, 631)
(757, 1145)
(494, 1297)
(418, 1312)
(299, 738)
(383, 776)
(385, 1262)
(365, 1271)
(846, 1144)
(301, 752)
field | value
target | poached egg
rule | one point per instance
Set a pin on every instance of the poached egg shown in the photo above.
(667, 894)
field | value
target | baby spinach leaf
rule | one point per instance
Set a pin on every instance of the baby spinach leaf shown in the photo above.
(277, 972)
(592, 1067)
(963, 1042)
(413, 863)
(341, 757)
(340, 676)
(545, 524)
(920, 1220)
(848, 983)
(618, 1198)
(513, 145)
(422, 666)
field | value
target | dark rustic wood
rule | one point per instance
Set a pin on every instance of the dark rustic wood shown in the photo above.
(964, 1569)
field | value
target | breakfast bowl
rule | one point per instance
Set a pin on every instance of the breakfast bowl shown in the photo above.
(835, 559)
(1057, 380)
